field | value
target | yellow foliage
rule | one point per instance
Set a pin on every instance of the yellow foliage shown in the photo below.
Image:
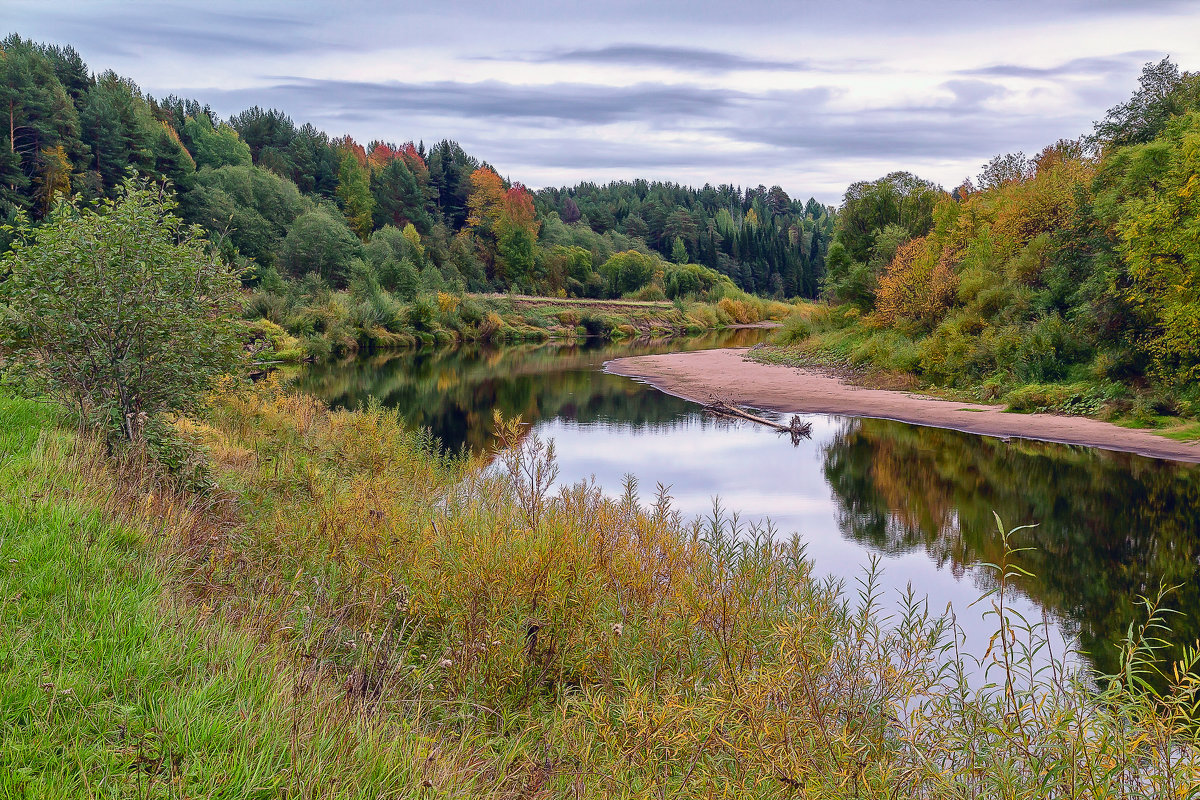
(739, 311)
(447, 302)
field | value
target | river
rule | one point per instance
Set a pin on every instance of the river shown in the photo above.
(1110, 527)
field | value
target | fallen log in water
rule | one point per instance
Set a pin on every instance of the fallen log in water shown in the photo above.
(796, 427)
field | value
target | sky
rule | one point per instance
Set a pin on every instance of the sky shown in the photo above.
(808, 96)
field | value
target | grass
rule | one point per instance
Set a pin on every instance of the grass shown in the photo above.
(355, 615)
(113, 684)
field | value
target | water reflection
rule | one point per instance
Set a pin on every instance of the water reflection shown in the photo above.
(1111, 526)
(452, 391)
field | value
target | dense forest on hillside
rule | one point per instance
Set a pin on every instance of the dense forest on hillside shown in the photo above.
(288, 202)
(1066, 281)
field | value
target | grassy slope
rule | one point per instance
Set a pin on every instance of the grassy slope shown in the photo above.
(355, 627)
(110, 686)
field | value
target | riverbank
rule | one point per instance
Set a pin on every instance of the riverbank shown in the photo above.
(293, 326)
(727, 375)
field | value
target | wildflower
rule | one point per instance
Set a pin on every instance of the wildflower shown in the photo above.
(617, 628)
(445, 663)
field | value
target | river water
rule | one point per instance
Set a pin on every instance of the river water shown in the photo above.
(1110, 527)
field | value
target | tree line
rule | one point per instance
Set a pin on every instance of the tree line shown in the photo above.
(286, 201)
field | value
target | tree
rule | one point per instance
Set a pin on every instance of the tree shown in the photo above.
(899, 198)
(1005, 169)
(679, 253)
(215, 146)
(38, 115)
(1159, 227)
(570, 211)
(354, 193)
(629, 271)
(1162, 93)
(245, 208)
(54, 178)
(399, 199)
(320, 242)
(120, 311)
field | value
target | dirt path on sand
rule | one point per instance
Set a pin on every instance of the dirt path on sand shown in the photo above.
(704, 375)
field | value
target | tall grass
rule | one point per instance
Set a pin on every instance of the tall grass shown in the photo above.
(396, 622)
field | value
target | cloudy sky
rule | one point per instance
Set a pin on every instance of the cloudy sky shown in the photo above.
(810, 96)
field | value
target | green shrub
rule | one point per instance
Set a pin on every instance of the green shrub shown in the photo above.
(1075, 398)
(121, 312)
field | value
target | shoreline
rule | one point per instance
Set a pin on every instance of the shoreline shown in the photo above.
(701, 375)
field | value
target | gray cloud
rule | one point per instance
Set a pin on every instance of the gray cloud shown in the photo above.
(569, 103)
(687, 58)
(971, 93)
(1092, 66)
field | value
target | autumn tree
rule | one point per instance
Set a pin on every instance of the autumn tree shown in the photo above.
(54, 177)
(918, 285)
(1159, 230)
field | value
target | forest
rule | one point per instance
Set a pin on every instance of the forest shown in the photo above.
(1068, 281)
(293, 205)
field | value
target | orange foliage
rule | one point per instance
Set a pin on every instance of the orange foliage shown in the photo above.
(917, 285)
(1043, 203)
(518, 211)
(380, 155)
(346, 144)
(486, 200)
(408, 151)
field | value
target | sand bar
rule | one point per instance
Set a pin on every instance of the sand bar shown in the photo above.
(705, 375)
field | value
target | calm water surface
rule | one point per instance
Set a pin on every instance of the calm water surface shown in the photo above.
(1110, 526)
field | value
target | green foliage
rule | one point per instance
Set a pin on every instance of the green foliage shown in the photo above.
(1079, 399)
(899, 198)
(120, 311)
(627, 272)
(679, 253)
(848, 281)
(248, 210)
(354, 195)
(1158, 230)
(516, 256)
(1162, 93)
(215, 146)
(691, 280)
(319, 241)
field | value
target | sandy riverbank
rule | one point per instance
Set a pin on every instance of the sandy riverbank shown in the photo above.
(704, 375)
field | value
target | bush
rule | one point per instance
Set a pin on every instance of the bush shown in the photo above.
(119, 311)
(594, 325)
(738, 311)
(1075, 398)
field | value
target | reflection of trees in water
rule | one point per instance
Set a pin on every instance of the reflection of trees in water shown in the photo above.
(1110, 526)
(453, 391)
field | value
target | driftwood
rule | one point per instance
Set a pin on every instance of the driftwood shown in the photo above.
(797, 428)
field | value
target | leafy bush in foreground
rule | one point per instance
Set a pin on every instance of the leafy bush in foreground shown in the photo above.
(121, 312)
